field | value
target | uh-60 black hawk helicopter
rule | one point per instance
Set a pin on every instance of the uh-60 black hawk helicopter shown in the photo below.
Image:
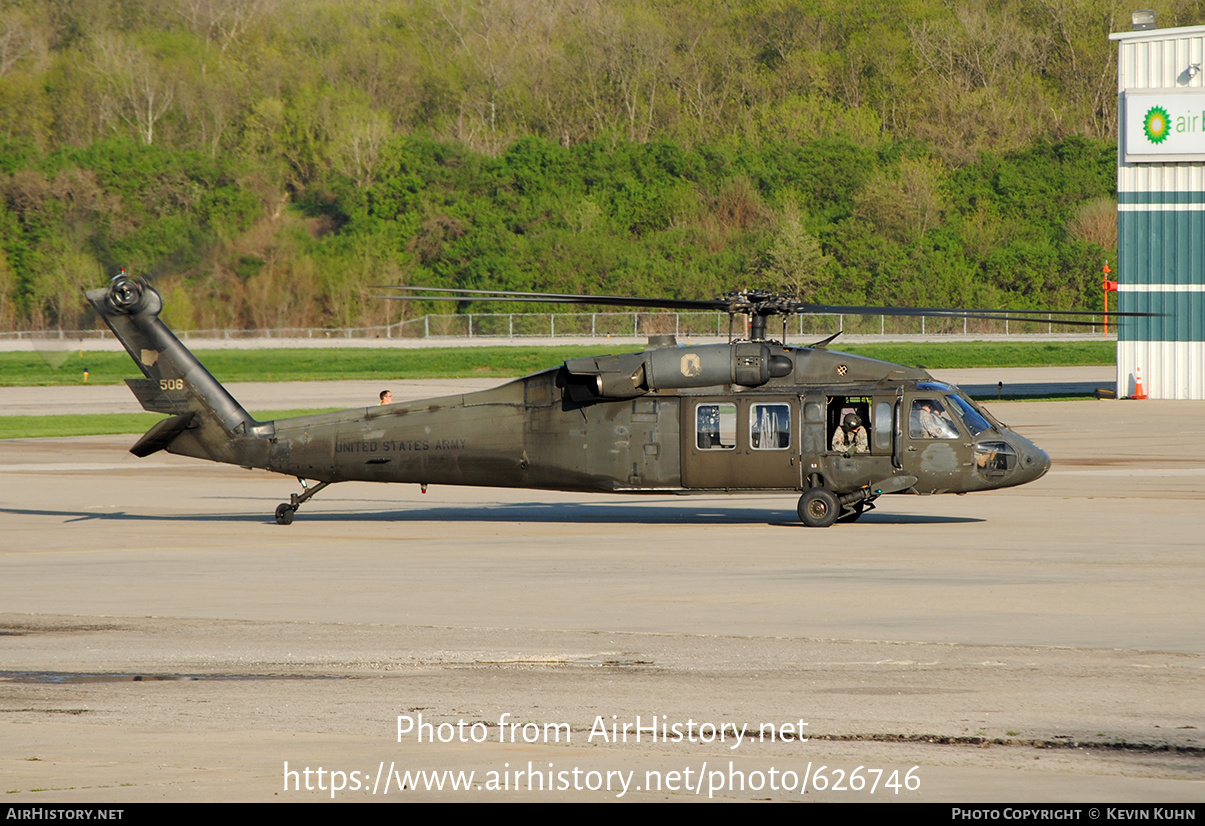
(750, 415)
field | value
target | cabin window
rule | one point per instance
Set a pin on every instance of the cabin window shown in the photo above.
(882, 426)
(715, 426)
(770, 426)
(929, 420)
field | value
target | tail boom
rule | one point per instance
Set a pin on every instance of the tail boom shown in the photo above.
(205, 420)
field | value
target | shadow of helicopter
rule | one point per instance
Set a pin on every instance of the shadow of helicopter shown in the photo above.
(519, 512)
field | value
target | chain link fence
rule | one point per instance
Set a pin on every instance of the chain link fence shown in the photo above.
(620, 325)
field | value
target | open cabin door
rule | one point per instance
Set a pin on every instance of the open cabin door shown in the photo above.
(842, 462)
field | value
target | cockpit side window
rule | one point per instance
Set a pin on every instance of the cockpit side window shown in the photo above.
(995, 460)
(930, 420)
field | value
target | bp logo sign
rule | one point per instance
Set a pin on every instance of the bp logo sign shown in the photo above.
(1163, 125)
(1156, 125)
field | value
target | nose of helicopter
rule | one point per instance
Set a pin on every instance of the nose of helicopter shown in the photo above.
(1034, 461)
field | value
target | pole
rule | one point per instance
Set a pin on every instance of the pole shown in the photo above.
(1109, 287)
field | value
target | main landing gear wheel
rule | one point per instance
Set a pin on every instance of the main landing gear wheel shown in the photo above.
(818, 508)
(284, 513)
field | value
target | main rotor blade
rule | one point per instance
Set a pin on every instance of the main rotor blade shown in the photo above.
(963, 312)
(751, 302)
(555, 298)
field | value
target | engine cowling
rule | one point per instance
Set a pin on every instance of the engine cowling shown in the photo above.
(625, 376)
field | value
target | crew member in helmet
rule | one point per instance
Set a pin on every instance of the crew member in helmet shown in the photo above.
(850, 437)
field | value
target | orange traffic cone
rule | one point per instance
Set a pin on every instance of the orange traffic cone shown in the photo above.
(1139, 393)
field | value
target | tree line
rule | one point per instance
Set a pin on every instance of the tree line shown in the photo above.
(268, 162)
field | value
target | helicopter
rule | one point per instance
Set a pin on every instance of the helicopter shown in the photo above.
(752, 415)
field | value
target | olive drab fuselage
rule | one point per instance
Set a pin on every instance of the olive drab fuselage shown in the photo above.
(742, 417)
(723, 437)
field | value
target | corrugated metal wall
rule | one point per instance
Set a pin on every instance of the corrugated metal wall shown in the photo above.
(1161, 232)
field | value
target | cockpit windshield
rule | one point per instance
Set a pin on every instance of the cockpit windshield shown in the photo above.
(968, 411)
(970, 416)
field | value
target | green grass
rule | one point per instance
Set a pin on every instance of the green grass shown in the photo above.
(28, 369)
(953, 355)
(103, 424)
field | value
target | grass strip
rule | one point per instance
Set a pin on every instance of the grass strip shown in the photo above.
(30, 369)
(958, 355)
(103, 424)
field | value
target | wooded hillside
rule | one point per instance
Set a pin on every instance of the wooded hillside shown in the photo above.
(267, 161)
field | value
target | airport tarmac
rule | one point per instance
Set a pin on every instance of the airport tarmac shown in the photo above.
(162, 639)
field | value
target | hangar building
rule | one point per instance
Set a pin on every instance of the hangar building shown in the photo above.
(1161, 210)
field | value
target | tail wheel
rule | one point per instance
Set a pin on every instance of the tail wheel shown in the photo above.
(284, 513)
(818, 508)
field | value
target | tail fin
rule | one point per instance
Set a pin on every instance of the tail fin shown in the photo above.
(205, 421)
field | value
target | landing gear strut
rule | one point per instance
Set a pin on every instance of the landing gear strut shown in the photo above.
(286, 510)
(850, 513)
